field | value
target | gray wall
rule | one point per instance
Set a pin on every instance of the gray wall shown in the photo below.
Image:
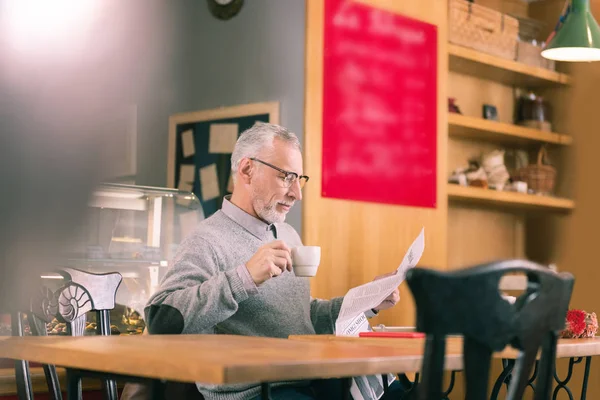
(257, 56)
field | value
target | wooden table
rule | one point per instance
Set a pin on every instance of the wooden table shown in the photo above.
(574, 349)
(225, 359)
(414, 347)
(213, 359)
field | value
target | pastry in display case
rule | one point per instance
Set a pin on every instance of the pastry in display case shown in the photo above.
(133, 230)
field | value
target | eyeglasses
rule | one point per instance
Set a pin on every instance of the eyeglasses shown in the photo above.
(289, 178)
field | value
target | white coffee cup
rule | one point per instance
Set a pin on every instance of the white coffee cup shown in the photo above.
(306, 260)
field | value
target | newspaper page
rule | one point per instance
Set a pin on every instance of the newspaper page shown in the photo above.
(352, 319)
(362, 298)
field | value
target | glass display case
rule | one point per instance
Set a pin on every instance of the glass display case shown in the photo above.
(133, 230)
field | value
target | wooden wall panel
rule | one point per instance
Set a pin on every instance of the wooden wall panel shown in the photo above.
(481, 235)
(361, 240)
(478, 235)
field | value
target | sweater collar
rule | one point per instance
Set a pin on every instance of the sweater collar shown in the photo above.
(255, 226)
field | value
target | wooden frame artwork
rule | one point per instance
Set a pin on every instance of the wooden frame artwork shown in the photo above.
(200, 147)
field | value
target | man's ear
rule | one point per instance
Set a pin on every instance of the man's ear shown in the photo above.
(245, 170)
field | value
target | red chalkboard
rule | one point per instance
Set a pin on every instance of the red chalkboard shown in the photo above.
(379, 106)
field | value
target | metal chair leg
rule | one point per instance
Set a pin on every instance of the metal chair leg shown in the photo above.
(346, 385)
(53, 382)
(110, 389)
(23, 375)
(103, 328)
(158, 390)
(265, 391)
(38, 328)
(73, 385)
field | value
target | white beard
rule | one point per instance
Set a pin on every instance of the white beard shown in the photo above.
(268, 213)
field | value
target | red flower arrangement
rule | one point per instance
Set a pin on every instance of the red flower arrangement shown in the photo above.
(580, 324)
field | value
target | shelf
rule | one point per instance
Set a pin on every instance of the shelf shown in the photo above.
(508, 199)
(475, 63)
(479, 128)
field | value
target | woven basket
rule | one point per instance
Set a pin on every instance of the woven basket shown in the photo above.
(540, 177)
(482, 28)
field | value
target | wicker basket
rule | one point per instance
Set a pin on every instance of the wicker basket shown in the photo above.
(482, 28)
(539, 177)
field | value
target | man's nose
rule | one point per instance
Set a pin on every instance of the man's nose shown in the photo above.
(295, 190)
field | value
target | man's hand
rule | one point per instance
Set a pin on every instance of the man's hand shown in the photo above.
(392, 299)
(269, 261)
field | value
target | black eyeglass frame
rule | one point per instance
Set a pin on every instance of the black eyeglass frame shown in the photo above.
(286, 173)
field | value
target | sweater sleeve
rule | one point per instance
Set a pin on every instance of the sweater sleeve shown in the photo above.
(324, 313)
(195, 294)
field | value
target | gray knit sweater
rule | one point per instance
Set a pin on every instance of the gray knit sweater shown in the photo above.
(204, 291)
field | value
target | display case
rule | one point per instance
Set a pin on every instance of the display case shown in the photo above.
(133, 230)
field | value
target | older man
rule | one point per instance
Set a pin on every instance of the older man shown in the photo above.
(234, 274)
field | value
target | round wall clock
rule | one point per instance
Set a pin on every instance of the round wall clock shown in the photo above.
(225, 9)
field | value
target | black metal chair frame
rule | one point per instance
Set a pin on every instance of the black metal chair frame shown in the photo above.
(81, 293)
(468, 303)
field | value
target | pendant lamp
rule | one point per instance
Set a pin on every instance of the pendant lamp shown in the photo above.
(577, 38)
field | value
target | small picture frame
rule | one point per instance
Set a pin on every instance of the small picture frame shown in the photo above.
(490, 112)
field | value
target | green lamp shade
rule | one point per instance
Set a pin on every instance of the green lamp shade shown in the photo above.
(578, 39)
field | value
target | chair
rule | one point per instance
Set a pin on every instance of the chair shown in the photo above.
(22, 371)
(43, 309)
(468, 303)
(84, 292)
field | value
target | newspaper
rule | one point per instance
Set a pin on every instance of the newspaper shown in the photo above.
(352, 319)
(362, 298)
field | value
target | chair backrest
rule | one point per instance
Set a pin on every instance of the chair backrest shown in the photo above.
(81, 293)
(84, 292)
(467, 302)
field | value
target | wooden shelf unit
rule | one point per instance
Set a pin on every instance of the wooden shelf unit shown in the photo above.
(482, 129)
(475, 63)
(508, 199)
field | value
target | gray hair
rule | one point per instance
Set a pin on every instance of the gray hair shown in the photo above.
(255, 139)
